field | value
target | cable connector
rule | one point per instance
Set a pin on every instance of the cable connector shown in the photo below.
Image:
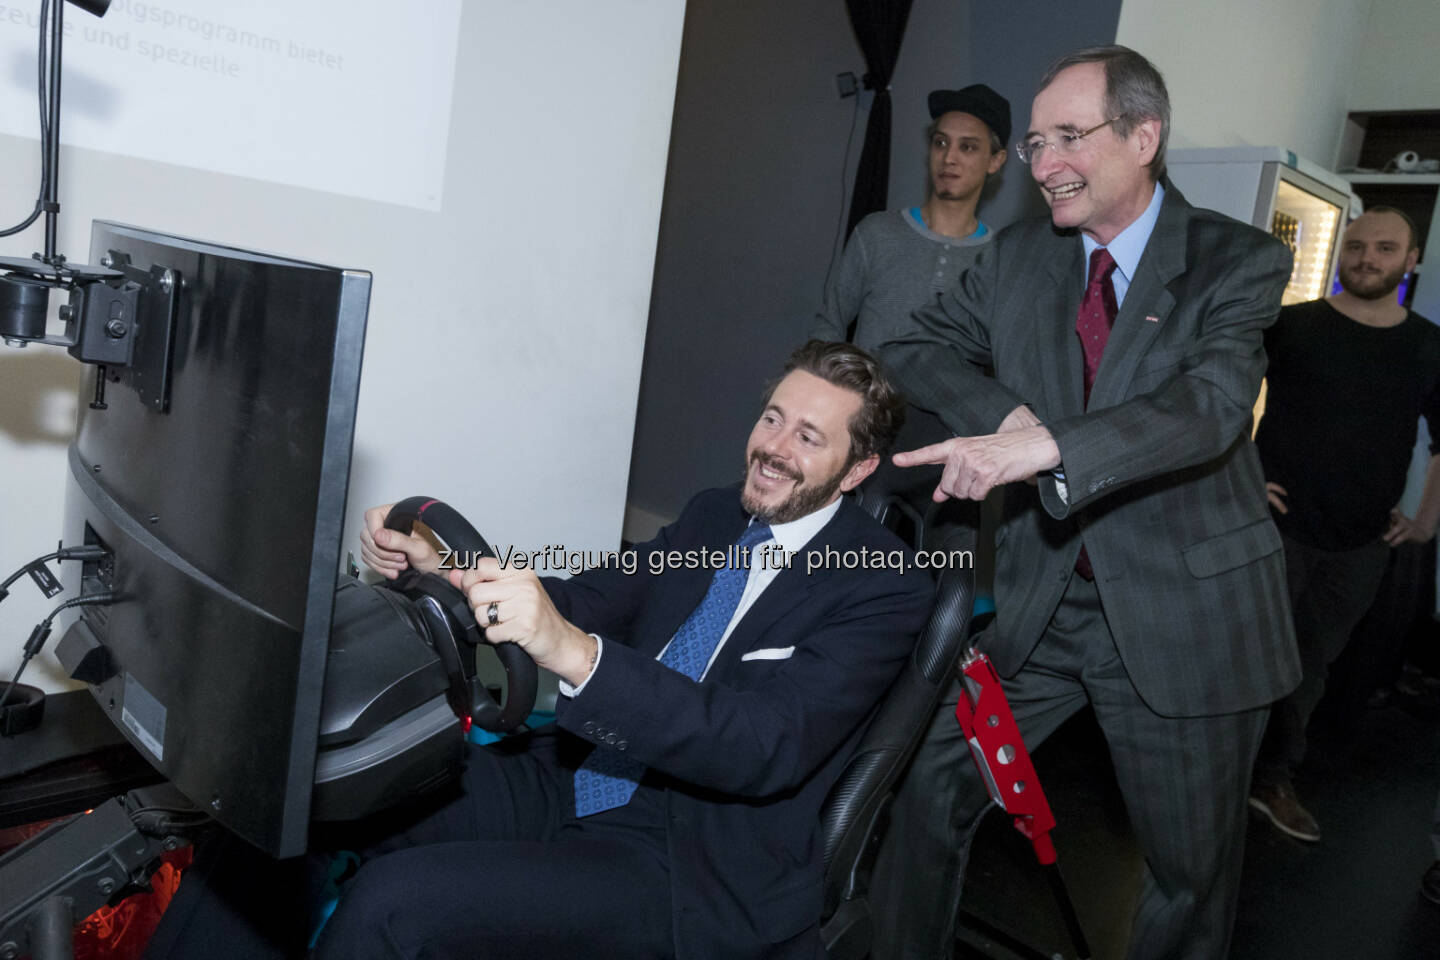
(42, 576)
(87, 551)
(42, 632)
(89, 600)
(38, 636)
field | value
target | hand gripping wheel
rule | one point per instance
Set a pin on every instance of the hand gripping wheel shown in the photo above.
(452, 625)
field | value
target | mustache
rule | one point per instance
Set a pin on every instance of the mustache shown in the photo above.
(773, 465)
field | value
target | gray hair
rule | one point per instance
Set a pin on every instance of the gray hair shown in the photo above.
(1134, 91)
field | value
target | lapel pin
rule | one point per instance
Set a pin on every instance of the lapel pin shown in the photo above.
(1152, 319)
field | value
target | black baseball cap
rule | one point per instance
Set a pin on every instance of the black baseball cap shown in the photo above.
(980, 102)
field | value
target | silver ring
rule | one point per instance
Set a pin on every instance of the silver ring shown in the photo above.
(492, 613)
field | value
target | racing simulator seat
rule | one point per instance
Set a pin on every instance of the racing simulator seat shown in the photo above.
(206, 494)
(854, 817)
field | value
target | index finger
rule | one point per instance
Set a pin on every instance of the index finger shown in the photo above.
(484, 570)
(934, 453)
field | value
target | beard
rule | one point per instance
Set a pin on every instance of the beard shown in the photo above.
(1370, 286)
(804, 497)
(952, 190)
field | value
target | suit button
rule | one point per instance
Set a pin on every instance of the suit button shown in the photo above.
(599, 733)
(589, 727)
(622, 744)
(611, 738)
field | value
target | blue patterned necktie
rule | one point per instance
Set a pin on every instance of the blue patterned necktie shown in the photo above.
(607, 779)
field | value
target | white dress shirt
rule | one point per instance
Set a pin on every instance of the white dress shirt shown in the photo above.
(792, 536)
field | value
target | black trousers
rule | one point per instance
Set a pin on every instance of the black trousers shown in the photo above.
(1330, 590)
(503, 870)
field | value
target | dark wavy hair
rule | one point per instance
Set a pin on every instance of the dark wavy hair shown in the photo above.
(882, 408)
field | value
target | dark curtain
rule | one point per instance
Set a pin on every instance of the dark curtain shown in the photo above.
(879, 26)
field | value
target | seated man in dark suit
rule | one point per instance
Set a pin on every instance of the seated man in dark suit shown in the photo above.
(673, 809)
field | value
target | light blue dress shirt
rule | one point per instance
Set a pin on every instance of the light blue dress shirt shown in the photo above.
(1126, 248)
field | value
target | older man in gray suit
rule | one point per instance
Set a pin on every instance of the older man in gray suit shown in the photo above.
(1138, 569)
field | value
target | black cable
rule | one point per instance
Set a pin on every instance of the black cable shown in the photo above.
(50, 177)
(84, 552)
(835, 245)
(42, 632)
(41, 60)
(5, 586)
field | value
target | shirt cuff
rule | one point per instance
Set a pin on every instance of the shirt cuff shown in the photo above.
(572, 692)
(1062, 490)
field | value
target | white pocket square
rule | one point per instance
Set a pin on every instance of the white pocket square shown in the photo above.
(769, 653)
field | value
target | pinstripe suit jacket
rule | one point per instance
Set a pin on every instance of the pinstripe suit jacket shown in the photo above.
(1164, 486)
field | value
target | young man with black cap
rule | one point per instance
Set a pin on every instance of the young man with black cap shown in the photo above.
(898, 260)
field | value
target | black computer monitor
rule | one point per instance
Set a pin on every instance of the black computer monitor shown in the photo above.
(223, 514)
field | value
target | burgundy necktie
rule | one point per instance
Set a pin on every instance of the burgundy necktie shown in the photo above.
(1097, 315)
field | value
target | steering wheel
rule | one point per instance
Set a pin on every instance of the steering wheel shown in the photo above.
(452, 625)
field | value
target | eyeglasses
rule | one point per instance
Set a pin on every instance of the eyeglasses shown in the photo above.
(1067, 143)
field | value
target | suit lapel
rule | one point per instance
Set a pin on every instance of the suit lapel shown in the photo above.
(1059, 348)
(788, 590)
(1147, 304)
(785, 592)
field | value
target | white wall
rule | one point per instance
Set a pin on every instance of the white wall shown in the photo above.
(1398, 57)
(1259, 74)
(514, 318)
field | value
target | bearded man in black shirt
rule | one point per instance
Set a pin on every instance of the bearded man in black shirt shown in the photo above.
(1349, 377)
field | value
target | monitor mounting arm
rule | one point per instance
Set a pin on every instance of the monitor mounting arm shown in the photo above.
(118, 316)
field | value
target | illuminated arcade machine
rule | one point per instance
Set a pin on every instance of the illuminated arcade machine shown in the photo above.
(1300, 202)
